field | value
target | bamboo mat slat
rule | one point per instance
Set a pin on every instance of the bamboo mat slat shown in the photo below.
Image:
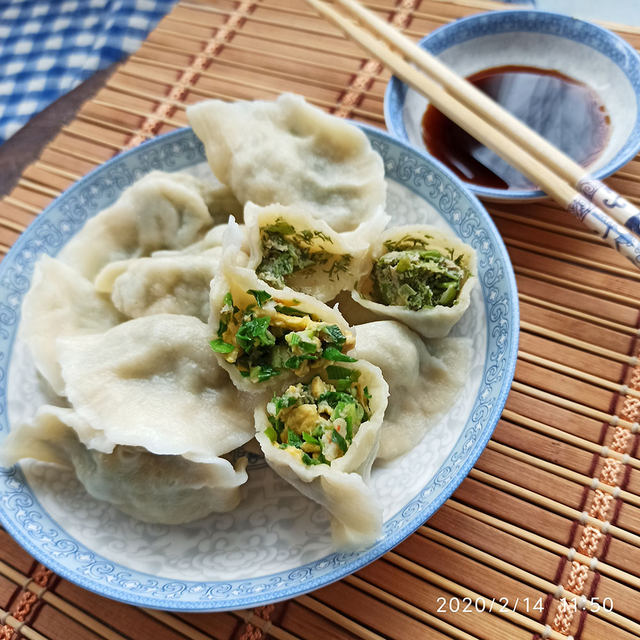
(552, 507)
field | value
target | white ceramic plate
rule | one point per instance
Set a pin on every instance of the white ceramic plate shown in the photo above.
(276, 544)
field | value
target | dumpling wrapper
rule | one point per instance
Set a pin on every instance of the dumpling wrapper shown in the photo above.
(167, 489)
(432, 322)
(319, 281)
(60, 302)
(211, 242)
(154, 382)
(341, 487)
(424, 380)
(238, 280)
(288, 152)
(159, 211)
(177, 284)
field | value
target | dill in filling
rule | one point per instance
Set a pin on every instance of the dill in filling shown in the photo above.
(416, 277)
(266, 338)
(286, 250)
(320, 418)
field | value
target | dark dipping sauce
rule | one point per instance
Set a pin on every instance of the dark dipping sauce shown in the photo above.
(566, 112)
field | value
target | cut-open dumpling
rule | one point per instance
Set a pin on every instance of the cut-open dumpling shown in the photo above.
(420, 276)
(266, 337)
(291, 153)
(164, 284)
(291, 248)
(60, 302)
(424, 379)
(159, 211)
(154, 382)
(321, 435)
(167, 489)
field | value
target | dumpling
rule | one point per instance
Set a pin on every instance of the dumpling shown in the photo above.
(154, 382)
(169, 284)
(290, 248)
(322, 436)
(60, 302)
(266, 337)
(420, 276)
(424, 380)
(160, 211)
(212, 241)
(167, 489)
(220, 200)
(291, 153)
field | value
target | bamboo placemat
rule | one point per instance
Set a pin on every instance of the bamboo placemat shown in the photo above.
(552, 508)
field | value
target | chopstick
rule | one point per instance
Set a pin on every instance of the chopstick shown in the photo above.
(612, 203)
(489, 126)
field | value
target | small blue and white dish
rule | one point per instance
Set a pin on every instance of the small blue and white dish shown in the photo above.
(580, 50)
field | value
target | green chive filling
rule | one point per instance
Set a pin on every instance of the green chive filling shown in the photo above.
(265, 338)
(287, 251)
(319, 418)
(415, 277)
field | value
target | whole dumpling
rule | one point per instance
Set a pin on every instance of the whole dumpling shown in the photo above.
(322, 437)
(167, 489)
(154, 382)
(424, 379)
(421, 276)
(159, 211)
(211, 242)
(60, 302)
(164, 284)
(289, 152)
(288, 247)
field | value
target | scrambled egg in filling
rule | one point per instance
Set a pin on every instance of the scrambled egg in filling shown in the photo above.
(317, 421)
(415, 277)
(269, 337)
(286, 250)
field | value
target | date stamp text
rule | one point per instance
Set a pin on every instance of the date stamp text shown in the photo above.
(454, 604)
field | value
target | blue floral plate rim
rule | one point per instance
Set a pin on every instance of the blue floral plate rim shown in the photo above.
(49, 543)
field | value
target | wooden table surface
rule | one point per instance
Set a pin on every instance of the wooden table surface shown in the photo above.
(551, 508)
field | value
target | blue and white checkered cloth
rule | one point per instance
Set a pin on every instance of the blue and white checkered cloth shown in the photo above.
(47, 47)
